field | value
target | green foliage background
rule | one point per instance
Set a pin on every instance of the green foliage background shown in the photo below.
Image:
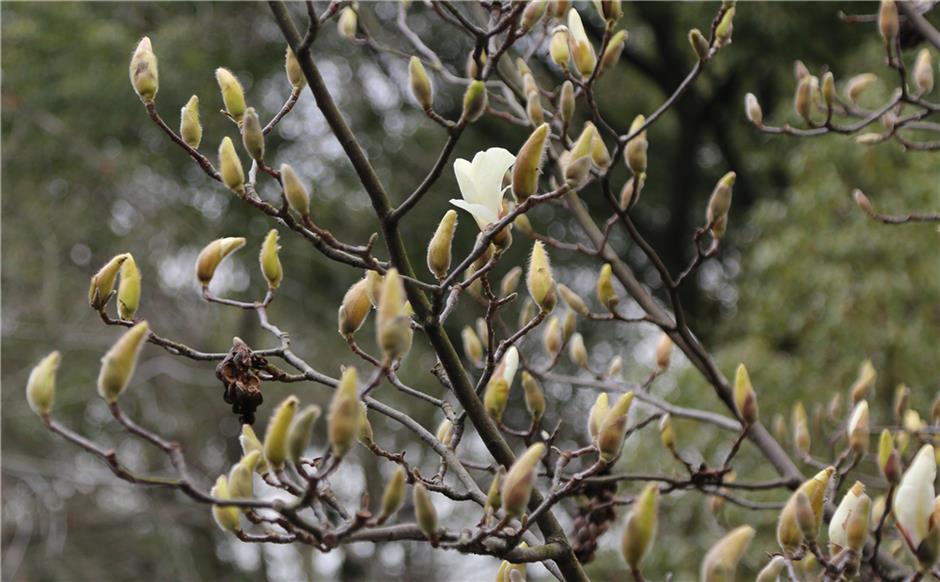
(805, 290)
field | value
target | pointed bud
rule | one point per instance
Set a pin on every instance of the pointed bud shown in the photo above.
(752, 108)
(573, 300)
(517, 485)
(301, 431)
(584, 145)
(393, 324)
(143, 70)
(270, 263)
(721, 561)
(815, 491)
(102, 283)
(577, 171)
(354, 308)
(889, 462)
(252, 134)
(605, 288)
(472, 346)
(228, 518)
(888, 20)
(902, 399)
(716, 215)
(635, 152)
(439, 250)
(510, 281)
(533, 109)
(552, 337)
(801, 436)
(857, 85)
(212, 255)
(344, 417)
(745, 400)
(230, 167)
(365, 436)
(275, 438)
(725, 28)
(612, 430)
(570, 324)
(394, 495)
(190, 126)
(294, 190)
(577, 351)
(641, 527)
(250, 443)
(803, 99)
(584, 56)
(630, 193)
(117, 366)
(828, 89)
(532, 13)
(923, 72)
(615, 368)
(40, 387)
(495, 397)
(558, 47)
(348, 22)
(771, 572)
(233, 96)
(597, 414)
(858, 428)
(494, 495)
(566, 101)
(425, 513)
(241, 477)
(864, 383)
(445, 432)
(848, 527)
(539, 279)
(129, 289)
(614, 49)
(525, 172)
(421, 87)
(789, 532)
(914, 497)
(667, 434)
(534, 396)
(663, 352)
(483, 330)
(699, 44)
(295, 74)
(474, 101)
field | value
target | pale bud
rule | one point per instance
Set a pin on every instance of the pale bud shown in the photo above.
(365, 435)
(605, 288)
(472, 346)
(889, 462)
(663, 352)
(394, 495)
(719, 204)
(573, 300)
(295, 74)
(539, 279)
(128, 297)
(294, 190)
(421, 86)
(212, 255)
(348, 22)
(439, 250)
(614, 49)
(393, 324)
(858, 428)
(754, 113)
(888, 24)
(534, 396)
(815, 491)
(525, 172)
(584, 56)
(745, 399)
(495, 397)
(301, 431)
(252, 134)
(848, 527)
(40, 387)
(699, 44)
(667, 434)
(864, 383)
(902, 399)
(233, 96)
(532, 13)
(228, 518)
(857, 85)
(801, 436)
(641, 527)
(803, 98)
(510, 281)
(771, 572)
(354, 308)
(230, 167)
(552, 337)
(102, 283)
(517, 485)
(635, 152)
(445, 432)
(117, 366)
(250, 443)
(828, 89)
(270, 263)
(190, 126)
(597, 414)
(721, 561)
(558, 47)
(914, 497)
(425, 513)
(474, 101)
(577, 171)
(241, 476)
(923, 72)
(275, 437)
(344, 416)
(577, 351)
(613, 428)
(143, 70)
(533, 109)
(566, 101)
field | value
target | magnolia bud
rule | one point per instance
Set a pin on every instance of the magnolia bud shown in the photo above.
(190, 127)
(902, 398)
(699, 44)
(102, 283)
(857, 85)
(584, 145)
(614, 49)
(539, 279)
(779, 427)
(800, 70)
(552, 337)
(421, 86)
(117, 366)
(848, 527)
(250, 443)
(573, 300)
(365, 436)
(835, 407)
(558, 47)
(858, 428)
(725, 28)
(348, 22)
(425, 513)
(605, 288)
(275, 438)
(914, 498)
(143, 70)
(534, 396)
(301, 431)
(252, 134)
(815, 491)
(393, 324)
(240, 478)
(570, 324)
(355, 308)
(752, 108)
(230, 167)
(803, 99)
(439, 250)
(472, 69)
(888, 21)
(641, 527)
(577, 352)
(495, 397)
(394, 496)
(270, 263)
(129, 289)
(40, 387)
(613, 428)
(532, 13)
(745, 400)
(533, 109)
(517, 485)
(864, 383)
(771, 572)
(294, 190)
(667, 434)
(213, 254)
(596, 416)
(584, 57)
(599, 153)
(923, 72)
(474, 101)
(635, 152)
(801, 436)
(343, 419)
(615, 368)
(889, 462)
(522, 67)
(828, 90)
(663, 352)
(472, 346)
(294, 73)
(630, 193)
(566, 101)
(445, 432)
(510, 281)
(233, 96)
(577, 171)
(494, 495)
(525, 172)
(720, 203)
(483, 330)
(228, 518)
(721, 561)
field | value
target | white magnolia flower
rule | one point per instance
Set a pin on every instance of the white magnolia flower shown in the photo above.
(914, 500)
(511, 362)
(481, 184)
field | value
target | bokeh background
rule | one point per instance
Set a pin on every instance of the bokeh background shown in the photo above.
(804, 289)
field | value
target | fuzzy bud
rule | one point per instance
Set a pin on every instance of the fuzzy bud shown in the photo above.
(348, 22)
(566, 101)
(420, 83)
(663, 352)
(888, 24)
(393, 322)
(472, 346)
(394, 495)
(667, 434)
(534, 396)
(641, 527)
(270, 263)
(614, 49)
(581, 50)
(829, 90)
(577, 351)
(752, 108)
(128, 297)
(801, 436)
(725, 28)
(301, 431)
(494, 495)
(745, 399)
(510, 281)
(143, 69)
(425, 513)
(635, 152)
(573, 300)
(445, 432)
(552, 337)
(815, 491)
(212, 255)
(525, 172)
(848, 527)
(241, 477)
(190, 126)
(699, 44)
(719, 204)
(474, 101)
(343, 419)
(275, 438)
(597, 414)
(539, 279)
(40, 387)
(117, 366)
(228, 518)
(923, 72)
(858, 428)
(439, 250)
(295, 74)
(611, 432)
(230, 167)
(495, 397)
(252, 134)
(721, 561)
(857, 85)
(577, 171)
(354, 308)
(366, 435)
(233, 96)
(250, 443)
(102, 283)
(294, 190)
(533, 109)
(558, 47)
(517, 485)
(605, 288)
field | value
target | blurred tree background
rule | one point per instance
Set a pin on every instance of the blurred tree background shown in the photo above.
(804, 290)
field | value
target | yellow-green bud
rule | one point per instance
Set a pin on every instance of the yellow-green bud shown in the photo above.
(635, 152)
(597, 414)
(354, 308)
(532, 13)
(725, 28)
(558, 47)
(721, 561)
(745, 399)
(667, 434)
(857, 428)
(240, 478)
(190, 126)
(864, 383)
(923, 72)
(829, 89)
(394, 495)
(525, 172)
(716, 215)
(605, 288)
(495, 397)
(510, 281)
(233, 96)
(445, 432)
(275, 437)
(699, 44)
(129, 289)
(294, 73)
(344, 417)
(599, 153)
(815, 490)
(577, 351)
(566, 101)
(102, 283)
(270, 263)
(213, 254)
(534, 396)
(393, 324)
(494, 495)
(584, 145)
(252, 134)
(472, 346)
(614, 49)
(421, 86)
(771, 572)
(439, 250)
(517, 485)
(472, 70)
(641, 527)
(573, 300)
(796, 522)
(570, 323)
(228, 518)
(425, 513)
(301, 431)
(888, 24)
(584, 57)
(143, 71)
(533, 109)
(752, 108)
(801, 436)
(348, 22)
(803, 99)
(40, 388)
(474, 101)
(365, 436)
(577, 171)
(294, 190)
(552, 337)
(117, 366)
(230, 167)
(249, 442)
(612, 430)
(539, 279)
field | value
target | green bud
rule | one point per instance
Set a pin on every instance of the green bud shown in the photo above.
(394, 495)
(233, 96)
(584, 145)
(721, 561)
(495, 397)
(439, 250)
(605, 288)
(635, 152)
(240, 478)
(667, 434)
(599, 153)
(815, 490)
(190, 127)
(614, 49)
(354, 308)
(301, 431)
(474, 101)
(597, 414)
(212, 255)
(421, 86)
(725, 28)
(539, 279)
(252, 134)
(275, 438)
(294, 190)
(250, 443)
(393, 322)
(129, 289)
(40, 387)
(228, 517)
(294, 73)
(143, 69)
(641, 527)
(792, 524)
(348, 22)
(612, 430)
(117, 366)
(230, 167)
(366, 436)
(745, 399)
(720, 203)
(425, 513)
(566, 101)
(343, 420)
(494, 495)
(525, 172)
(102, 283)
(558, 47)
(270, 263)
(517, 486)
(534, 396)
(699, 44)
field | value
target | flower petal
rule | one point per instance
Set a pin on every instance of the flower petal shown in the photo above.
(481, 214)
(576, 26)
(489, 167)
(468, 189)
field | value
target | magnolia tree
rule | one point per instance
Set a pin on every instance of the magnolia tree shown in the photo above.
(282, 489)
